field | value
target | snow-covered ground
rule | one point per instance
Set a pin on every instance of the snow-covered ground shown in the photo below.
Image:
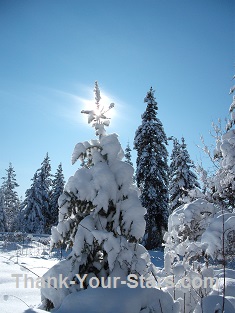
(25, 263)
(30, 261)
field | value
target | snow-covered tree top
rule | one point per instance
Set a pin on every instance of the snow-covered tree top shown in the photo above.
(231, 121)
(98, 115)
(232, 88)
(150, 96)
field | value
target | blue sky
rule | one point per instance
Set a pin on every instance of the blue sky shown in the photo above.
(51, 53)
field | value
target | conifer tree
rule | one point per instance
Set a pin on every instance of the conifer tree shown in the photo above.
(152, 172)
(3, 224)
(182, 177)
(231, 121)
(10, 197)
(128, 158)
(57, 188)
(174, 197)
(36, 206)
(44, 185)
(128, 154)
(19, 220)
(100, 215)
(33, 218)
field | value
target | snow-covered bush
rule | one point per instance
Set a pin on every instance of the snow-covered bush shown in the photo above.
(184, 261)
(201, 236)
(187, 224)
(214, 304)
(219, 238)
(100, 218)
(192, 195)
(198, 235)
(223, 183)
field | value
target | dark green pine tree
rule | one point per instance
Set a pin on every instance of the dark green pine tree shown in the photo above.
(56, 190)
(128, 154)
(33, 219)
(174, 189)
(44, 183)
(3, 223)
(152, 172)
(36, 206)
(10, 199)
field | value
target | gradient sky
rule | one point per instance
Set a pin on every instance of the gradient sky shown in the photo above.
(52, 52)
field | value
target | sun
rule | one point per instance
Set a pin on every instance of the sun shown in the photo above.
(99, 110)
(99, 116)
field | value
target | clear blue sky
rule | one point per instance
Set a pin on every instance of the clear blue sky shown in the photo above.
(51, 53)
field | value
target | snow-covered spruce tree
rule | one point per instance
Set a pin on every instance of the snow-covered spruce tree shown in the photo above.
(36, 206)
(3, 223)
(19, 220)
(152, 172)
(174, 198)
(10, 197)
(57, 188)
(128, 154)
(44, 184)
(231, 121)
(33, 218)
(182, 177)
(100, 216)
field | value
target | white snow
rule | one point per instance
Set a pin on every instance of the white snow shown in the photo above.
(16, 262)
(212, 238)
(120, 300)
(95, 300)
